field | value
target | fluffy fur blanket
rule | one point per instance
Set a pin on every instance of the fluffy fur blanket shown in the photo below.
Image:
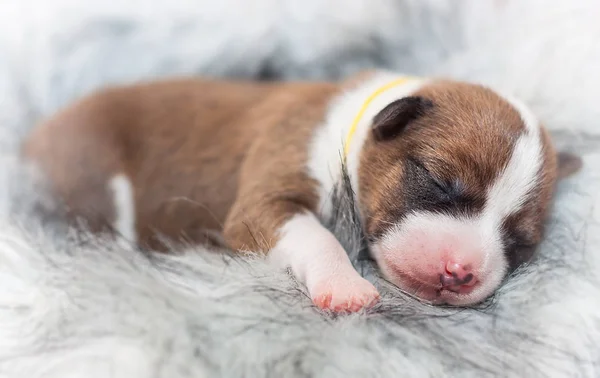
(75, 306)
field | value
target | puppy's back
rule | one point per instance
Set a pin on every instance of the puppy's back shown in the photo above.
(137, 145)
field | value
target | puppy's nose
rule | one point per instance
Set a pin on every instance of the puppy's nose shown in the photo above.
(457, 275)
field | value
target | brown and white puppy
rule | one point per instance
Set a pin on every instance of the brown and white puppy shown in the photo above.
(453, 180)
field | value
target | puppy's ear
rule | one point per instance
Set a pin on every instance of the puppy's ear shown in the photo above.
(394, 118)
(568, 164)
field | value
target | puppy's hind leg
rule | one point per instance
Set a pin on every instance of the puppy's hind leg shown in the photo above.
(80, 159)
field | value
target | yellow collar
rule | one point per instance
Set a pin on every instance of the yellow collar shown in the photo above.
(364, 107)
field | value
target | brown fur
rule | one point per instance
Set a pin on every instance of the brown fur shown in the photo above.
(182, 143)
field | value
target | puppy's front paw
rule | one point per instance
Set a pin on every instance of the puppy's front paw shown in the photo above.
(347, 292)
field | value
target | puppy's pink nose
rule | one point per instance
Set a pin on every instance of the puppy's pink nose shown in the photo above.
(457, 275)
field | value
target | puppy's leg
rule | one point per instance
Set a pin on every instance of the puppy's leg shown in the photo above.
(318, 259)
(283, 227)
(80, 160)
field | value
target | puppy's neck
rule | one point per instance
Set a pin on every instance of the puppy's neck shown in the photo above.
(342, 135)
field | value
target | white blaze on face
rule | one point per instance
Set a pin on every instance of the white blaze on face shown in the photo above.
(416, 251)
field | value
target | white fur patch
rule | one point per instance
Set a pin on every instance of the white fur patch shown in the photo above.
(521, 174)
(327, 149)
(423, 238)
(308, 247)
(123, 197)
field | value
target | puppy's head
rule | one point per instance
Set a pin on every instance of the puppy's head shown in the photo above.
(455, 183)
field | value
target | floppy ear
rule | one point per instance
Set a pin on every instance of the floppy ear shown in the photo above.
(568, 164)
(394, 118)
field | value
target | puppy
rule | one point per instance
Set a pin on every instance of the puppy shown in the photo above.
(453, 180)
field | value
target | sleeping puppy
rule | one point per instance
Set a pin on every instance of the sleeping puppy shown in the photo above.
(453, 180)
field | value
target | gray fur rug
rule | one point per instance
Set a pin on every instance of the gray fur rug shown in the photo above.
(76, 306)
